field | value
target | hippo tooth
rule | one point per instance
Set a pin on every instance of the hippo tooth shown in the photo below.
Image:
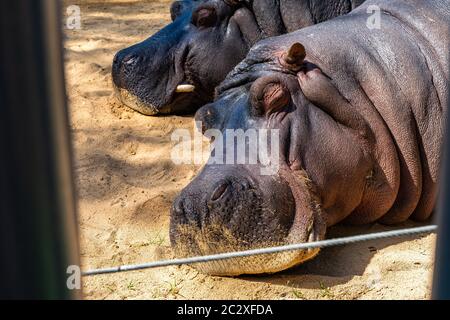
(185, 88)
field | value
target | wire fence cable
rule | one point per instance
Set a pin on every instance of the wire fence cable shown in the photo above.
(260, 251)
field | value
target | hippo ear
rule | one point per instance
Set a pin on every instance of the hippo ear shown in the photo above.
(177, 8)
(294, 56)
(204, 17)
(269, 95)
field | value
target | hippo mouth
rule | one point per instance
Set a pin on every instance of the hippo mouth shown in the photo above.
(183, 98)
(204, 243)
(192, 239)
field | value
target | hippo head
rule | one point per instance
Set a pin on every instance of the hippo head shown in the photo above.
(177, 69)
(233, 207)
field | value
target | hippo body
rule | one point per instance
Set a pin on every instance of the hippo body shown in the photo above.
(361, 123)
(177, 69)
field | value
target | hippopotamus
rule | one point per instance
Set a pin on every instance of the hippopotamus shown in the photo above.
(360, 114)
(177, 69)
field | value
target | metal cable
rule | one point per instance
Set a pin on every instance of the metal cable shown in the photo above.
(246, 253)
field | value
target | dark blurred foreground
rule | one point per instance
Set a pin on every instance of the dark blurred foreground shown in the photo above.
(38, 239)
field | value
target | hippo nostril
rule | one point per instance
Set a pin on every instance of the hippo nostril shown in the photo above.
(130, 60)
(220, 190)
(181, 212)
(123, 66)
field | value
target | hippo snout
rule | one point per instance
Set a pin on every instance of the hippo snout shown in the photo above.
(225, 211)
(221, 205)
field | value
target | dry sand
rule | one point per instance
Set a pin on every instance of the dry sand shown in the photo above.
(127, 182)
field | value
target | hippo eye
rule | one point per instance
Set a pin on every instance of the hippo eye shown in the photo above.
(204, 17)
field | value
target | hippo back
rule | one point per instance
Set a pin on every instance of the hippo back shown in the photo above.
(400, 70)
(390, 60)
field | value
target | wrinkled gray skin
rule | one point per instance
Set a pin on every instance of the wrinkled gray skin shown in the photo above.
(361, 131)
(205, 41)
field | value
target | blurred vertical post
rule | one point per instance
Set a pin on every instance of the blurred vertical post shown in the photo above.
(38, 230)
(441, 275)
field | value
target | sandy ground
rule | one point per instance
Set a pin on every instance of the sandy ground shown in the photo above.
(127, 182)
